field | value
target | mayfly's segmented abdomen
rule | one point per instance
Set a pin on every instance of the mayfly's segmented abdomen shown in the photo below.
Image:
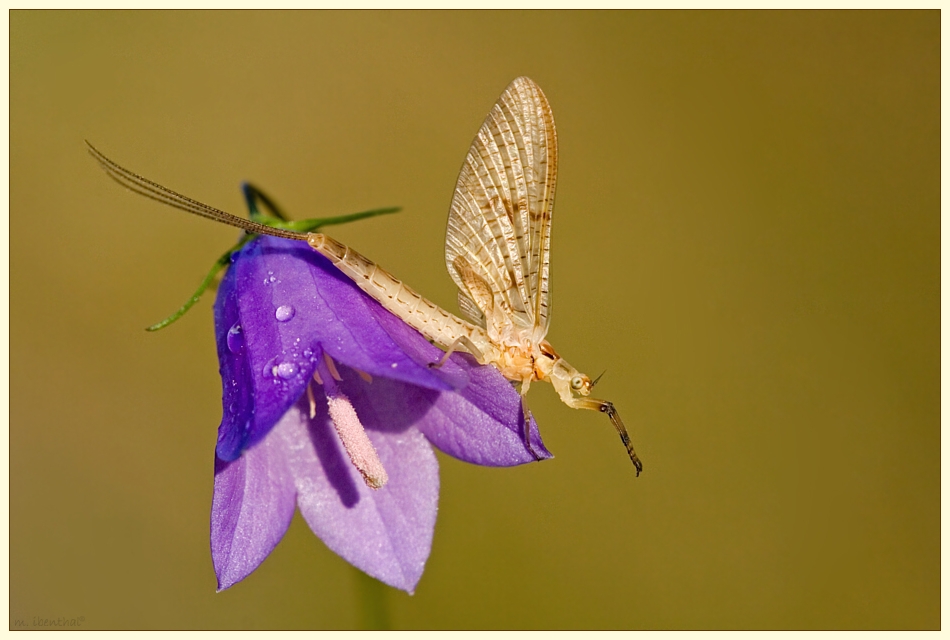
(422, 315)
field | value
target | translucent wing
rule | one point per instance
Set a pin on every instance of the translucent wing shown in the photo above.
(497, 240)
(470, 310)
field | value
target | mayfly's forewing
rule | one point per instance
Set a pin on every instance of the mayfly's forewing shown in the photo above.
(543, 165)
(496, 236)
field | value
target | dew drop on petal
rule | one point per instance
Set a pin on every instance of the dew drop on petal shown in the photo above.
(270, 369)
(285, 312)
(286, 370)
(235, 338)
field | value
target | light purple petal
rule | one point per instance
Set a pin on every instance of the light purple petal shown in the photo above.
(279, 304)
(387, 532)
(251, 509)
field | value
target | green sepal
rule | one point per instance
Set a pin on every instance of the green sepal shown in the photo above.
(220, 264)
(312, 224)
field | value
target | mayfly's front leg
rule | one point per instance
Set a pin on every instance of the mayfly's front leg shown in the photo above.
(608, 407)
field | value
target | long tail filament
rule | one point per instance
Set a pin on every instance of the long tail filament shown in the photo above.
(153, 190)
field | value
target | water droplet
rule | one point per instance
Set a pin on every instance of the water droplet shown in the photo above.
(270, 369)
(285, 312)
(286, 370)
(307, 353)
(235, 338)
(232, 408)
(395, 364)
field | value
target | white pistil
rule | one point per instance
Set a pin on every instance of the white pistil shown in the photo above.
(357, 444)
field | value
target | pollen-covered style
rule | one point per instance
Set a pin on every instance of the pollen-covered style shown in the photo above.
(497, 251)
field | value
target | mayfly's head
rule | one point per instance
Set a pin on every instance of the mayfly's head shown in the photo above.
(568, 381)
(581, 384)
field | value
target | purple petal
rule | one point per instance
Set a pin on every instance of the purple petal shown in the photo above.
(252, 507)
(278, 305)
(484, 422)
(236, 379)
(481, 423)
(419, 349)
(386, 533)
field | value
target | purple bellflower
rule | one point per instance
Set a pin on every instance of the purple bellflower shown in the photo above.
(330, 405)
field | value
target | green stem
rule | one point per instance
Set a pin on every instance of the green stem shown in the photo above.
(371, 596)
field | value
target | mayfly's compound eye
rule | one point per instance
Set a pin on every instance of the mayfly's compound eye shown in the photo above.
(577, 383)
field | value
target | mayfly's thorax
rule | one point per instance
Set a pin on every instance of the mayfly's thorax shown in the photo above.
(514, 349)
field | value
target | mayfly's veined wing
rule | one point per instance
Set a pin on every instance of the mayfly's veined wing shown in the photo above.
(497, 239)
(539, 222)
(470, 310)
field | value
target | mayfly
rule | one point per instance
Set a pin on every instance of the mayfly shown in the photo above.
(497, 250)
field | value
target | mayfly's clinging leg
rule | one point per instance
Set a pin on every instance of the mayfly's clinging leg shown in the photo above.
(608, 407)
(527, 428)
(460, 342)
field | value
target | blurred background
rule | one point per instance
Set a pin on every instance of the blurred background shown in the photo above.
(746, 238)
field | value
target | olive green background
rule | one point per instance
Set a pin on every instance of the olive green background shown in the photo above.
(746, 238)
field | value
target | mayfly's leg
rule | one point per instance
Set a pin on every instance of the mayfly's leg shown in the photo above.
(608, 407)
(527, 428)
(460, 342)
